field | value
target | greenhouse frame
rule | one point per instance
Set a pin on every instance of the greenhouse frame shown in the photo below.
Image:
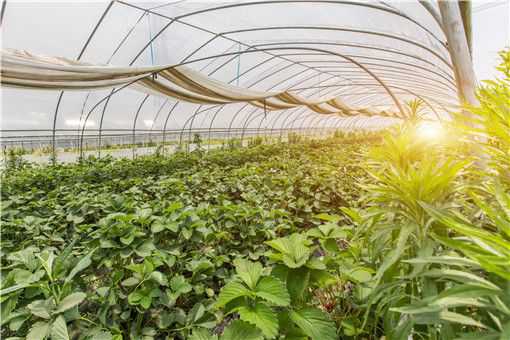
(371, 65)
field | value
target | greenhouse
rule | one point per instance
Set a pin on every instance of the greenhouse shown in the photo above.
(255, 169)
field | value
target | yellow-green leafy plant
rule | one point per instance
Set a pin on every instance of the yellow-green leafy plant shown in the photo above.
(475, 264)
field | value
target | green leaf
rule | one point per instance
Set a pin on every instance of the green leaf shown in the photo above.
(248, 271)
(297, 281)
(13, 289)
(360, 274)
(240, 330)
(70, 301)
(273, 290)
(101, 335)
(180, 285)
(231, 291)
(82, 264)
(157, 226)
(505, 332)
(47, 258)
(145, 249)
(403, 330)
(38, 331)
(459, 318)
(146, 301)
(394, 254)
(449, 260)
(59, 329)
(130, 281)
(160, 278)
(460, 276)
(202, 334)
(314, 323)
(196, 313)
(328, 218)
(16, 322)
(42, 308)
(261, 316)
(294, 249)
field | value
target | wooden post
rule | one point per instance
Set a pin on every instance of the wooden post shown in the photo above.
(459, 51)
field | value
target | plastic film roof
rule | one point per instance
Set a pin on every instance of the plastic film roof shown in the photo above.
(272, 46)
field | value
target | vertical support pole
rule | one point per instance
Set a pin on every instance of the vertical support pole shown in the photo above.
(459, 51)
(4, 6)
(466, 14)
(133, 140)
(238, 64)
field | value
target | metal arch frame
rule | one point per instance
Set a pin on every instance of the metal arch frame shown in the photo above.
(270, 88)
(449, 84)
(192, 117)
(375, 64)
(270, 2)
(215, 35)
(334, 88)
(256, 109)
(375, 77)
(369, 47)
(341, 29)
(212, 120)
(165, 27)
(224, 63)
(252, 116)
(135, 120)
(420, 96)
(235, 5)
(160, 33)
(199, 48)
(393, 70)
(405, 82)
(82, 51)
(392, 76)
(300, 109)
(222, 7)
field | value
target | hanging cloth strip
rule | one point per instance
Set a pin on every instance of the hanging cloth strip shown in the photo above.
(25, 70)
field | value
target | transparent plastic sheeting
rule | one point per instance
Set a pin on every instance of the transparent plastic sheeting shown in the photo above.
(312, 49)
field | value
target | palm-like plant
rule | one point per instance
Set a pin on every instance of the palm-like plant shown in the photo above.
(414, 110)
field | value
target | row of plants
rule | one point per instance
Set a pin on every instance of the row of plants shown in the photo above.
(141, 248)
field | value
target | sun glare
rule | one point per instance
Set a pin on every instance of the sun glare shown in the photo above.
(429, 131)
